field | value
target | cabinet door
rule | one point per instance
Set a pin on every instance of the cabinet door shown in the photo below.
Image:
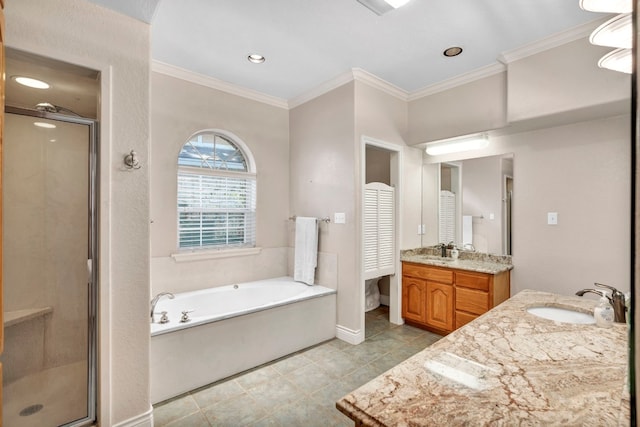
(440, 306)
(413, 299)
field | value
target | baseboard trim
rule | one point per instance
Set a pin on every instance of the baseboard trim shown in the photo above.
(349, 335)
(142, 420)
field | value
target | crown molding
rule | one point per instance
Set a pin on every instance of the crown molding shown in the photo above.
(480, 73)
(355, 74)
(213, 83)
(321, 89)
(555, 40)
(376, 82)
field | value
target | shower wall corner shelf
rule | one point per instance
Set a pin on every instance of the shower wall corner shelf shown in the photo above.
(19, 316)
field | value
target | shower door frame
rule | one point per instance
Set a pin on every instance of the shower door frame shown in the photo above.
(92, 253)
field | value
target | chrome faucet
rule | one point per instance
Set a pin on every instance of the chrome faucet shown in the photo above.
(155, 300)
(616, 299)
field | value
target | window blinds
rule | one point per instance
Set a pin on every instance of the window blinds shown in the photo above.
(216, 210)
(447, 216)
(379, 236)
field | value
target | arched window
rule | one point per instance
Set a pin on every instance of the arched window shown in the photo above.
(216, 193)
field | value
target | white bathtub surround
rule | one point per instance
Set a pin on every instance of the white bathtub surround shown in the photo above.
(289, 316)
(305, 250)
(167, 275)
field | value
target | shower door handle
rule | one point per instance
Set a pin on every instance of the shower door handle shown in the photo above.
(90, 271)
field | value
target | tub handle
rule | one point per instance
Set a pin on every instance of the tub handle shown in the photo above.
(185, 316)
(163, 317)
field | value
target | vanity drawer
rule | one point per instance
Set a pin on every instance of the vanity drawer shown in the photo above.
(472, 301)
(464, 318)
(427, 273)
(472, 280)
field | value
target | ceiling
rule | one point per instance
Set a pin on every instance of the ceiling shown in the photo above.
(307, 43)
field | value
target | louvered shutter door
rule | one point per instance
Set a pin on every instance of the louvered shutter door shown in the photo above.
(379, 237)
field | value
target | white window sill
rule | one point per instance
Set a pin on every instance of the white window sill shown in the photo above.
(200, 255)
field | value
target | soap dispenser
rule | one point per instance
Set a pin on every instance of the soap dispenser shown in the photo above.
(603, 312)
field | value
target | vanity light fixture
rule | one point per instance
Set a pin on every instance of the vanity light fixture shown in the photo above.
(30, 82)
(256, 58)
(616, 32)
(44, 125)
(607, 6)
(457, 145)
(617, 60)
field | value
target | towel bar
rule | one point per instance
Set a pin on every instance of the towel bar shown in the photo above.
(325, 219)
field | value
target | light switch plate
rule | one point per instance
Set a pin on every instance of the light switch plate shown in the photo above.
(340, 218)
(552, 218)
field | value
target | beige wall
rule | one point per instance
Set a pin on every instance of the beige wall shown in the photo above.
(82, 33)
(323, 181)
(581, 171)
(563, 79)
(180, 109)
(472, 107)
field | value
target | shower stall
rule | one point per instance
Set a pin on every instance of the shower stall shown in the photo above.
(50, 274)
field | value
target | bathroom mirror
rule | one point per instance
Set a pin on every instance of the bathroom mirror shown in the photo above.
(472, 203)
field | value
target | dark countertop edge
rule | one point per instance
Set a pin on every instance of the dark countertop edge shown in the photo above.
(358, 416)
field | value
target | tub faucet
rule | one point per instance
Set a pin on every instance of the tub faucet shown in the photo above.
(155, 300)
(616, 299)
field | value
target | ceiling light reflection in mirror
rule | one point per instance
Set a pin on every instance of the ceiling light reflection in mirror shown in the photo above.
(458, 145)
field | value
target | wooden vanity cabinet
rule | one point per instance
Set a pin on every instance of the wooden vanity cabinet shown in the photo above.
(443, 299)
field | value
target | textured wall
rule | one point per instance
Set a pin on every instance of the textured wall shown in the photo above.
(79, 32)
(180, 109)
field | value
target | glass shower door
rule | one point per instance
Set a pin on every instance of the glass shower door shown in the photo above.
(49, 287)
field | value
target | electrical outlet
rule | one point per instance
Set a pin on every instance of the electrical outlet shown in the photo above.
(340, 218)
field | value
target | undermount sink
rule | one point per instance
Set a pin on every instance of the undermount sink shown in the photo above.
(564, 315)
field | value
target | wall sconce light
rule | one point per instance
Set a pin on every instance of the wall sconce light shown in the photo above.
(457, 145)
(616, 32)
(131, 161)
(617, 60)
(607, 6)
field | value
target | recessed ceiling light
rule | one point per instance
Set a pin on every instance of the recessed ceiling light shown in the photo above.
(34, 83)
(255, 58)
(452, 51)
(44, 125)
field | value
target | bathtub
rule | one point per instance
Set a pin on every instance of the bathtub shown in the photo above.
(234, 328)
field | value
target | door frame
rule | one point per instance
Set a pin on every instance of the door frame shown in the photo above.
(396, 181)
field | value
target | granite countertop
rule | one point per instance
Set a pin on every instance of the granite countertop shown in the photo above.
(510, 368)
(460, 264)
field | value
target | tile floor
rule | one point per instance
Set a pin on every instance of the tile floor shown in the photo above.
(300, 389)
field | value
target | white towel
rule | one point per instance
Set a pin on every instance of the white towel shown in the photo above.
(467, 229)
(306, 250)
